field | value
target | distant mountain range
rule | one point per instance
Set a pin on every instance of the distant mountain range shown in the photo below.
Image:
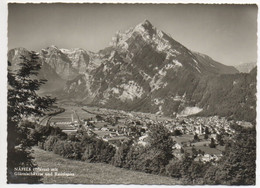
(146, 70)
(246, 67)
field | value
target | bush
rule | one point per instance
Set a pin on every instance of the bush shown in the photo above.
(77, 151)
(58, 148)
(177, 132)
(238, 164)
(73, 138)
(132, 157)
(173, 169)
(50, 142)
(41, 133)
(89, 153)
(71, 150)
(98, 151)
(152, 160)
(212, 143)
(41, 145)
(119, 158)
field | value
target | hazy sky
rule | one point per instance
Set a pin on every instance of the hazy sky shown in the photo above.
(227, 33)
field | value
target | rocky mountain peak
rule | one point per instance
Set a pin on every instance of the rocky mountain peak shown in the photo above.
(146, 23)
(145, 30)
(145, 26)
(73, 51)
(54, 47)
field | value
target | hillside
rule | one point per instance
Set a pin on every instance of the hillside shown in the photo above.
(93, 173)
(232, 96)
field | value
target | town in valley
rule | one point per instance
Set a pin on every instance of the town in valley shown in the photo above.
(204, 135)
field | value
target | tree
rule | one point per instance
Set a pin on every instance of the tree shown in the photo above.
(99, 118)
(160, 137)
(23, 102)
(238, 164)
(220, 139)
(212, 143)
(207, 131)
(155, 157)
(196, 137)
(177, 132)
(194, 153)
(119, 158)
(174, 168)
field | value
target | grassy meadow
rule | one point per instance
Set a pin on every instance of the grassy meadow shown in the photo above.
(93, 173)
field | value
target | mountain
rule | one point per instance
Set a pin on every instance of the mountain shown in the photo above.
(59, 61)
(144, 69)
(58, 65)
(246, 67)
(55, 82)
(215, 66)
(230, 95)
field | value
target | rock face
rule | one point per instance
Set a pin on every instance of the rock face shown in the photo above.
(59, 61)
(143, 69)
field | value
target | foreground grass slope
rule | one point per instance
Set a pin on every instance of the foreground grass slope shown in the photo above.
(93, 173)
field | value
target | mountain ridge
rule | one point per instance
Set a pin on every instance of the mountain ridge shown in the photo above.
(143, 69)
(246, 67)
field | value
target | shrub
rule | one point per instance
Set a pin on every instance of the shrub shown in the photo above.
(89, 153)
(173, 169)
(212, 143)
(41, 133)
(77, 151)
(50, 142)
(73, 138)
(98, 151)
(41, 145)
(58, 147)
(119, 158)
(132, 157)
(152, 160)
(68, 149)
(177, 132)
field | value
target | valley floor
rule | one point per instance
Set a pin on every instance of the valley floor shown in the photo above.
(93, 173)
